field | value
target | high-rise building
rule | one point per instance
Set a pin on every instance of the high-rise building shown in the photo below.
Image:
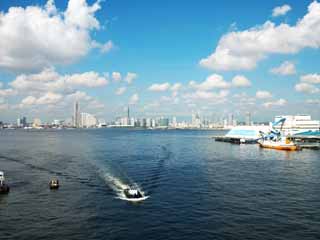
(128, 113)
(174, 122)
(87, 120)
(76, 115)
(248, 119)
(163, 122)
(196, 121)
(22, 122)
(19, 124)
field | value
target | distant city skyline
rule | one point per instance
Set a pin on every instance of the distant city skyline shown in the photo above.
(160, 58)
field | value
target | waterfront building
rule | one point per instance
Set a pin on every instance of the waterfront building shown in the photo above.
(294, 124)
(196, 121)
(88, 120)
(36, 123)
(148, 123)
(247, 132)
(163, 122)
(174, 122)
(22, 122)
(153, 123)
(144, 123)
(57, 122)
(19, 124)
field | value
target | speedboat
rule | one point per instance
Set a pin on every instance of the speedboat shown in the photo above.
(133, 195)
(279, 144)
(54, 184)
(4, 188)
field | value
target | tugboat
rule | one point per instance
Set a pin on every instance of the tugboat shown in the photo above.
(4, 188)
(133, 195)
(54, 184)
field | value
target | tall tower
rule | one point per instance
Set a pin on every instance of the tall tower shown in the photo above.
(76, 115)
(248, 119)
(128, 114)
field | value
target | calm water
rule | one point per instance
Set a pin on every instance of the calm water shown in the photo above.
(198, 188)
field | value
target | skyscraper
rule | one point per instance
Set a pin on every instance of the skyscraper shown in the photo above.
(76, 115)
(248, 119)
(128, 114)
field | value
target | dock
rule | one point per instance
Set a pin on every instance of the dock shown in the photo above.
(307, 140)
(235, 140)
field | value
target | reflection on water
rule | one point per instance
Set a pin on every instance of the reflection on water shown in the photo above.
(196, 185)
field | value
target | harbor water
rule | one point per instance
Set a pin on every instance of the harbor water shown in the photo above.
(197, 188)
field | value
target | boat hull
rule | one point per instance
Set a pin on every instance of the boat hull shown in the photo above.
(134, 199)
(280, 146)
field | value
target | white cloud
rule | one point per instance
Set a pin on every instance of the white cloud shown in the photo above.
(311, 78)
(263, 94)
(243, 100)
(121, 90)
(87, 79)
(313, 101)
(4, 106)
(30, 100)
(205, 95)
(95, 104)
(104, 48)
(134, 99)
(306, 88)
(240, 81)
(281, 10)
(159, 87)
(279, 103)
(1, 84)
(211, 82)
(56, 38)
(7, 92)
(286, 68)
(77, 96)
(176, 87)
(50, 80)
(81, 15)
(130, 77)
(162, 87)
(242, 50)
(48, 98)
(116, 76)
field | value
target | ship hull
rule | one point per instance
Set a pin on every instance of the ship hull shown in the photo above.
(279, 146)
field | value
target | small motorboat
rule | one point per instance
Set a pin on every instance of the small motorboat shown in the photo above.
(54, 184)
(286, 145)
(4, 188)
(133, 195)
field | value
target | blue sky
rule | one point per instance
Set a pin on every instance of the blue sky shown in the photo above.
(166, 43)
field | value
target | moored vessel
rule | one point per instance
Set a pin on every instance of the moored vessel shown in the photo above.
(286, 145)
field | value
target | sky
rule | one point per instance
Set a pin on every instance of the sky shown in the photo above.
(161, 58)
